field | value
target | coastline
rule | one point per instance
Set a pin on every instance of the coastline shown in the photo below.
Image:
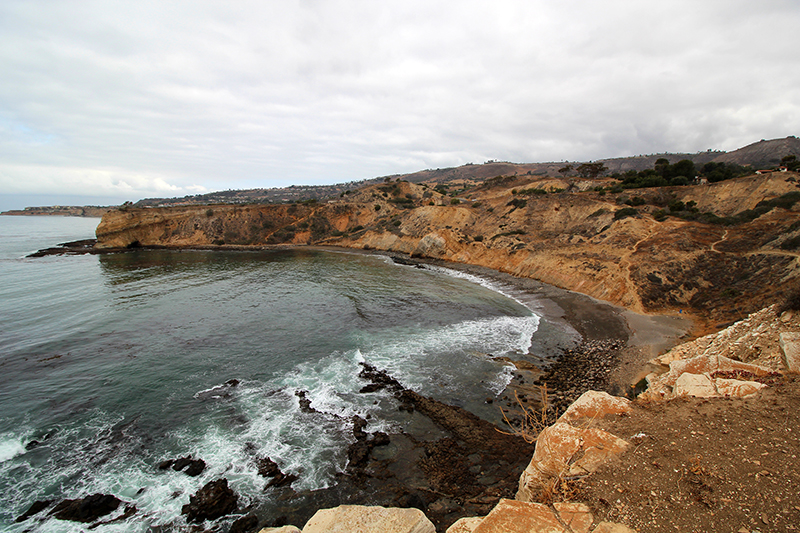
(413, 471)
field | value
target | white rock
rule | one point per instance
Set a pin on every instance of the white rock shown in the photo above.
(697, 385)
(790, 346)
(364, 519)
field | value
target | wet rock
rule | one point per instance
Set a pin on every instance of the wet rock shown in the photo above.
(212, 501)
(190, 467)
(245, 524)
(86, 509)
(36, 507)
(281, 480)
(305, 403)
(267, 467)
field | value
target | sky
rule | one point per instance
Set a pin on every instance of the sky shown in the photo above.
(105, 101)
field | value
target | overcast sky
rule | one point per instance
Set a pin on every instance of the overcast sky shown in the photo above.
(113, 101)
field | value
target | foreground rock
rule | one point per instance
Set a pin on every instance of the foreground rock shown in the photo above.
(361, 519)
(214, 500)
(86, 509)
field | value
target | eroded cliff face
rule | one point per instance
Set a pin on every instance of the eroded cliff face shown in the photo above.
(572, 240)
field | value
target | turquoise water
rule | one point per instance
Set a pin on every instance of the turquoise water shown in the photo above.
(114, 363)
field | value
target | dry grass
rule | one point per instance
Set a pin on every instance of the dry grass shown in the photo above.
(532, 422)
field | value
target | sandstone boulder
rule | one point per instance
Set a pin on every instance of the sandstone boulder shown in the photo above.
(282, 529)
(595, 404)
(576, 516)
(696, 385)
(511, 516)
(564, 452)
(363, 519)
(465, 525)
(736, 388)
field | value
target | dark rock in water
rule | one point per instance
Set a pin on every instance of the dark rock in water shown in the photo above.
(358, 428)
(32, 444)
(193, 467)
(214, 500)
(281, 480)
(245, 524)
(305, 403)
(359, 452)
(267, 467)
(379, 379)
(87, 509)
(372, 387)
(130, 510)
(232, 382)
(379, 438)
(36, 507)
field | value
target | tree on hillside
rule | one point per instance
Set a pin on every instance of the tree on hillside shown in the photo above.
(790, 162)
(591, 170)
(565, 170)
(661, 165)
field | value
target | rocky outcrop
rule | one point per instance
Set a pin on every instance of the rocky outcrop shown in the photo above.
(362, 519)
(86, 509)
(570, 449)
(212, 501)
(735, 362)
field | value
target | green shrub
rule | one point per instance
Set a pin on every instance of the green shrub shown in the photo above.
(625, 212)
(209, 212)
(455, 201)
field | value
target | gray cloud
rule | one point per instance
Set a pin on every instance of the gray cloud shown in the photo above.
(127, 100)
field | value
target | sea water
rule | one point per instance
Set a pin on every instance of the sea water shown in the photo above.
(110, 364)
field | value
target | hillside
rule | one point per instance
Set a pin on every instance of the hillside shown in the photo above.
(648, 258)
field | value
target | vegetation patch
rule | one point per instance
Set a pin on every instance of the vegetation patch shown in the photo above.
(625, 212)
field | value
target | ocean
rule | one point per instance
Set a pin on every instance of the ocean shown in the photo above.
(111, 364)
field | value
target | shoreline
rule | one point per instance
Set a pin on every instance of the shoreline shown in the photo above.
(413, 471)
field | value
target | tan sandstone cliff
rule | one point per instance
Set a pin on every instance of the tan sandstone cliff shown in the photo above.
(574, 240)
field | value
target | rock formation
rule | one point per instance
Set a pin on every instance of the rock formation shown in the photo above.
(579, 240)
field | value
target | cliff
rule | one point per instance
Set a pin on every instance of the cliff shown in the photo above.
(649, 258)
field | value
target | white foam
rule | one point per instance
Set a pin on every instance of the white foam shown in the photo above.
(10, 447)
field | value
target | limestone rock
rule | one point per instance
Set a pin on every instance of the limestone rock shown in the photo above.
(576, 516)
(364, 519)
(611, 527)
(465, 525)
(563, 451)
(595, 404)
(511, 516)
(697, 385)
(790, 346)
